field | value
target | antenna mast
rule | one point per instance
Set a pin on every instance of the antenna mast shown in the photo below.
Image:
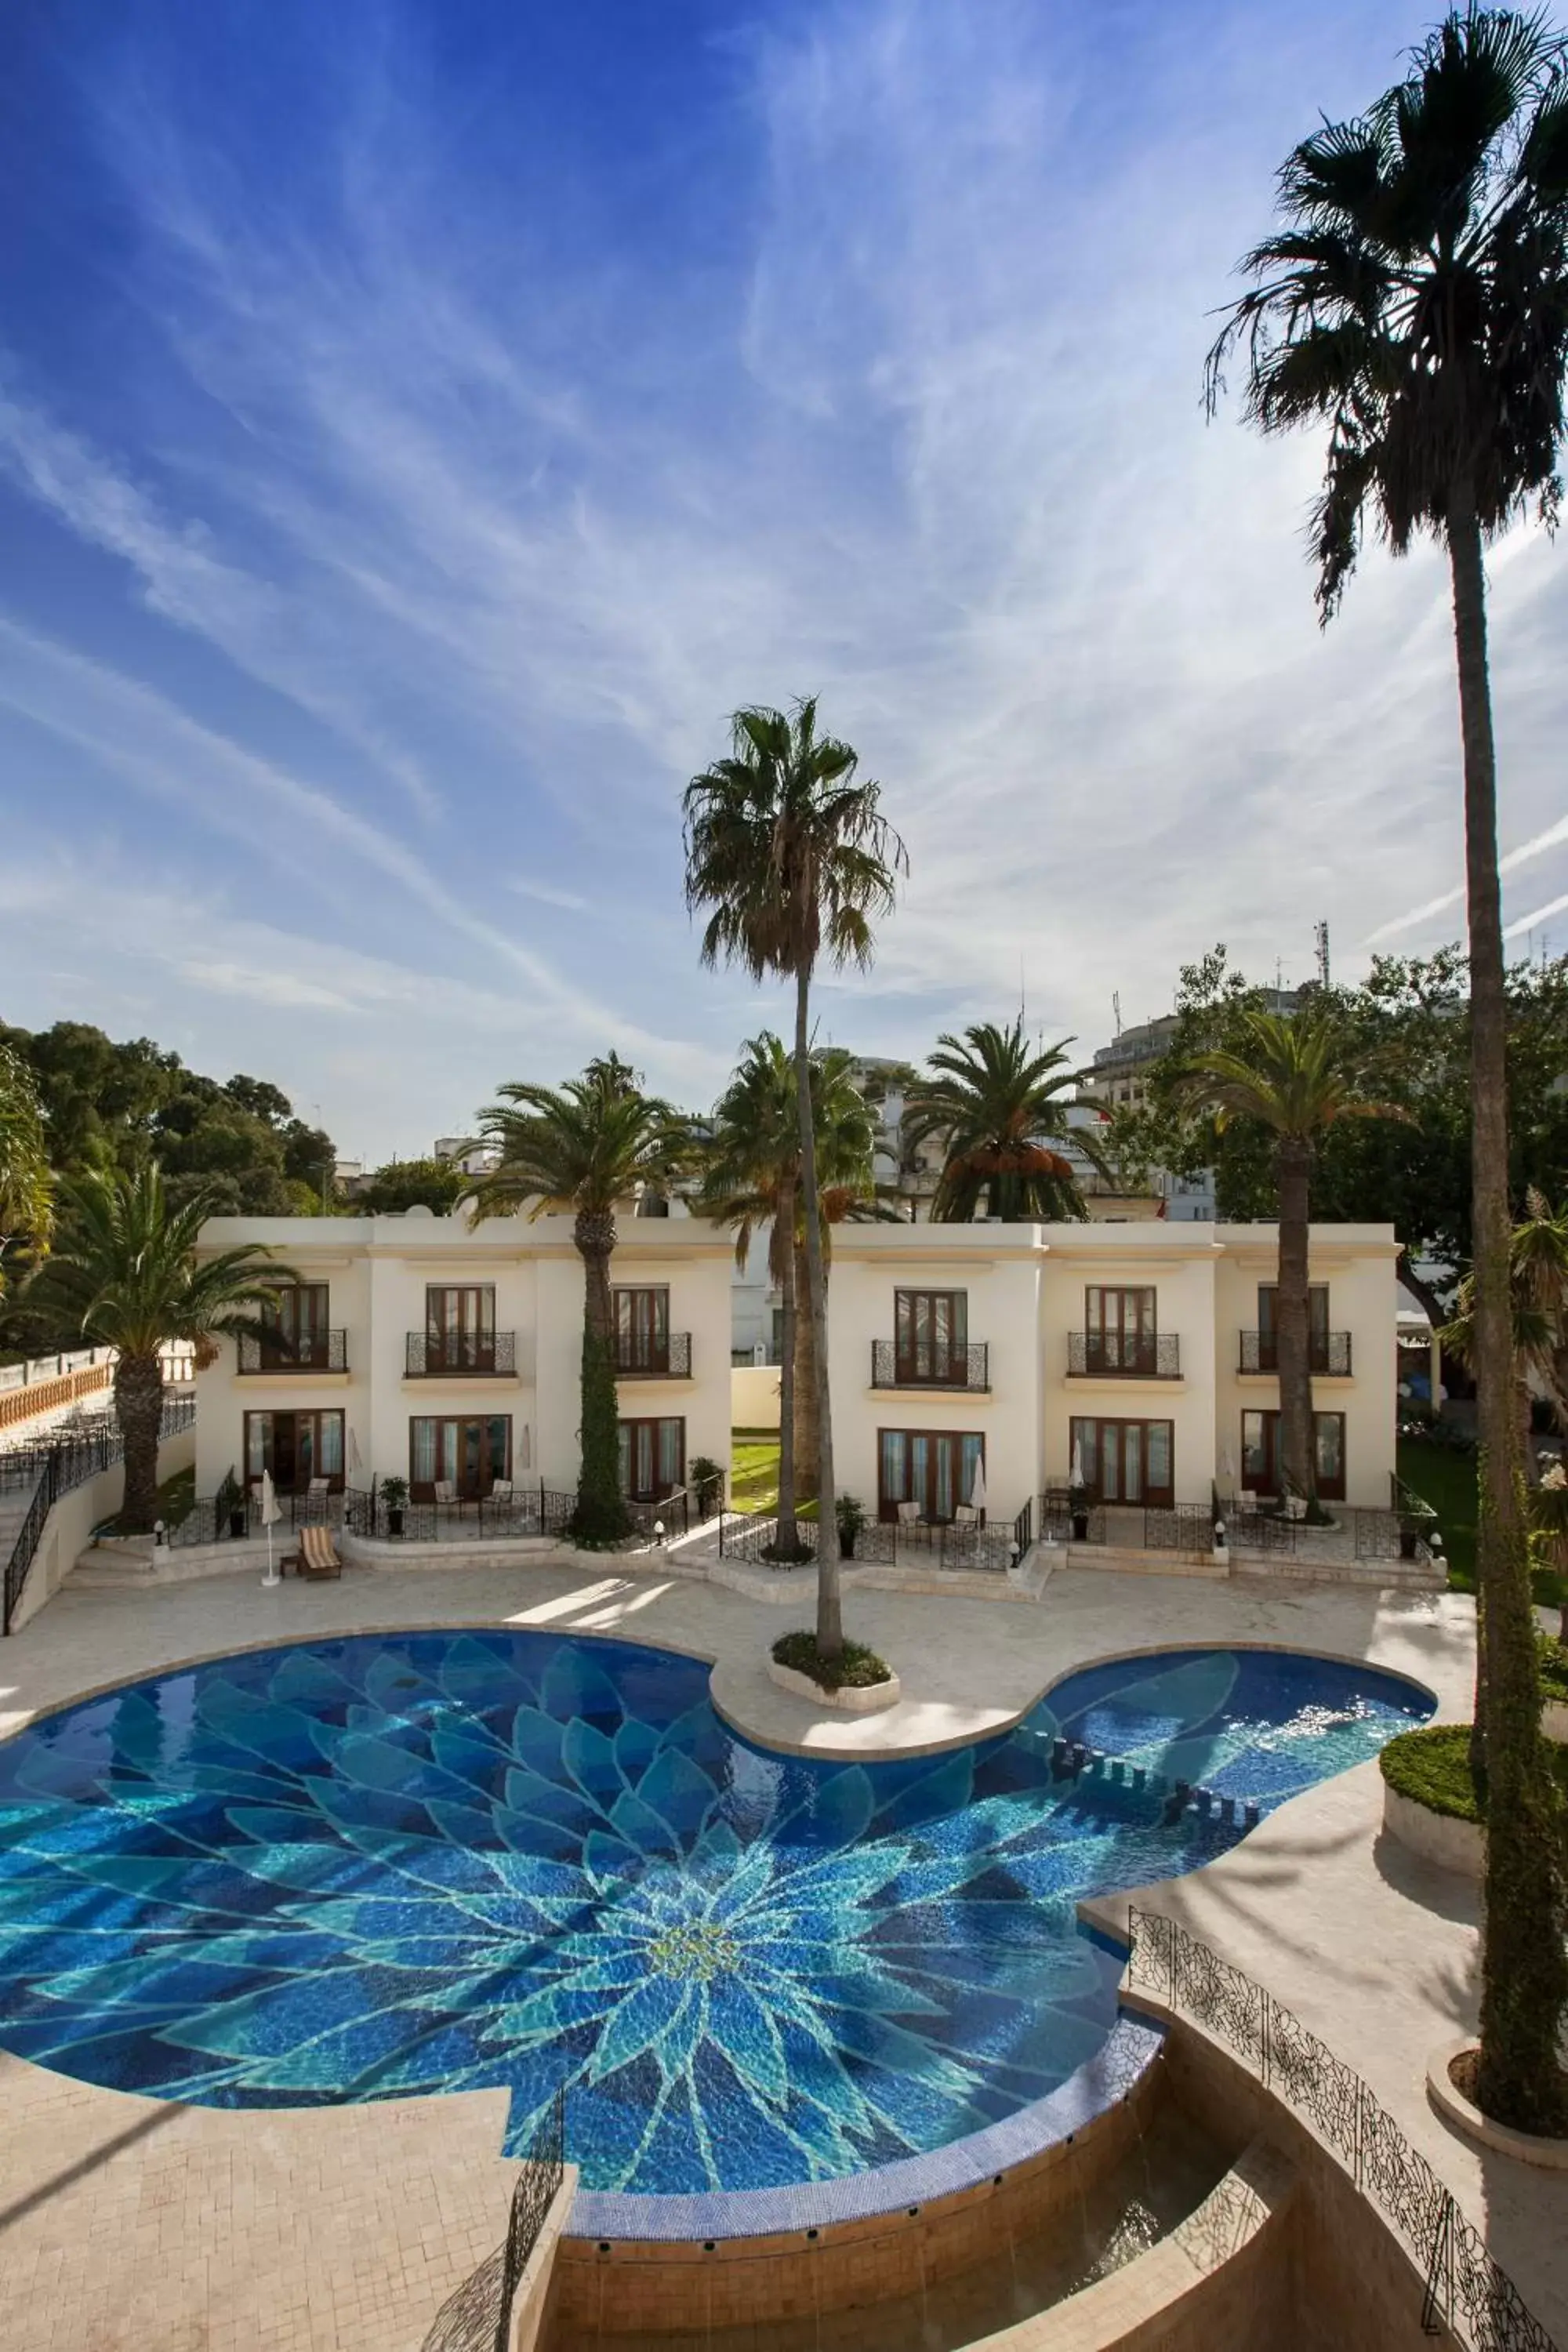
(1116, 1008)
(1321, 934)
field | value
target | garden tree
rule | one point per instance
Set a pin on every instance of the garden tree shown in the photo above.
(26, 1180)
(789, 849)
(1415, 301)
(412, 1184)
(1539, 1289)
(125, 1273)
(1289, 1076)
(581, 1149)
(996, 1107)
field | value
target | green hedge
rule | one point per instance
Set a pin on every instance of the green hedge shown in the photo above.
(1551, 1657)
(1432, 1767)
(855, 1668)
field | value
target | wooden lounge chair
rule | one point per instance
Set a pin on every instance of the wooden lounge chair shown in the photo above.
(317, 1556)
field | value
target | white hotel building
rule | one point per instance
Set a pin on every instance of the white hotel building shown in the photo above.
(1142, 1354)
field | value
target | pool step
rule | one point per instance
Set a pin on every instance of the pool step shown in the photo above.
(1072, 1759)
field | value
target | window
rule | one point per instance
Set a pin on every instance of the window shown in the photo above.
(1269, 1329)
(468, 1451)
(653, 1458)
(299, 1318)
(295, 1447)
(1260, 1454)
(931, 1338)
(1119, 1330)
(932, 1468)
(642, 1331)
(1124, 1461)
(460, 1328)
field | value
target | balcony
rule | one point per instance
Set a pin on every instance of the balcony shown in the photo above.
(652, 1355)
(278, 1359)
(459, 1356)
(1328, 1353)
(931, 1367)
(1124, 1356)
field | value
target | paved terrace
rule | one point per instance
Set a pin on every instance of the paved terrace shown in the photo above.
(125, 2224)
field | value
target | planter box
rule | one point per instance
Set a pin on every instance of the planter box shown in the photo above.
(868, 1700)
(1452, 1845)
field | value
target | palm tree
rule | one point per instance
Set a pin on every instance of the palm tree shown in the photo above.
(997, 1108)
(751, 1179)
(26, 1182)
(1539, 1283)
(1415, 301)
(583, 1149)
(126, 1270)
(793, 854)
(1288, 1075)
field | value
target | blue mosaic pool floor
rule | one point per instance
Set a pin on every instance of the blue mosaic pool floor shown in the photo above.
(380, 1866)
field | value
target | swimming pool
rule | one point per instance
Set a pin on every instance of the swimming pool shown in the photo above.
(381, 1866)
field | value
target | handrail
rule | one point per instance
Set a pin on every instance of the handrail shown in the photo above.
(60, 1469)
(1466, 2290)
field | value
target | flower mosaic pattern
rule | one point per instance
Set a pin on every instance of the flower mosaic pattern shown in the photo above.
(378, 1867)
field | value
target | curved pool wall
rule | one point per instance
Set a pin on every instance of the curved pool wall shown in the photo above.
(384, 1866)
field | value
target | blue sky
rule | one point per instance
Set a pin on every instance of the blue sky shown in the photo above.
(421, 423)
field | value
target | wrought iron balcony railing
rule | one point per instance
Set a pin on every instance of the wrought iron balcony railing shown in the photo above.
(1327, 1352)
(647, 1355)
(1124, 1356)
(929, 1366)
(459, 1355)
(317, 1351)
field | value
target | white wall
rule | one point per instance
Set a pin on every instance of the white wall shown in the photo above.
(754, 1396)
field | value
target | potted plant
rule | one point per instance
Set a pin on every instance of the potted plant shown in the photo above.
(394, 1495)
(230, 1505)
(707, 1486)
(851, 1513)
(1078, 1502)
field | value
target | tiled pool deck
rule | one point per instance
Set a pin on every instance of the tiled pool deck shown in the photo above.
(125, 2224)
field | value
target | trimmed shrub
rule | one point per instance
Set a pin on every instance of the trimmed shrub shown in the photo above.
(855, 1668)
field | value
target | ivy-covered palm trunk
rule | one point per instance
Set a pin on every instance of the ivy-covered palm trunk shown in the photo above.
(601, 1516)
(829, 1605)
(786, 1534)
(1524, 1972)
(807, 1425)
(138, 1410)
(1292, 1318)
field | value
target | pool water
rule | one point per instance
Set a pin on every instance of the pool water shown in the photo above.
(372, 1868)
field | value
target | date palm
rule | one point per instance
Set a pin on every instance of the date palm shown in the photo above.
(26, 1182)
(125, 1270)
(1415, 302)
(997, 1108)
(1287, 1074)
(583, 1149)
(787, 846)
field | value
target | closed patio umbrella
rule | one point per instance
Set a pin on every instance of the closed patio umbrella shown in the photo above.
(977, 1488)
(270, 1514)
(1075, 1473)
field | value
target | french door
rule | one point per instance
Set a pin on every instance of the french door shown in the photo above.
(653, 1457)
(1119, 1330)
(642, 1331)
(932, 1468)
(468, 1451)
(1260, 1467)
(460, 1328)
(931, 1338)
(299, 1318)
(1124, 1461)
(295, 1447)
(1268, 1326)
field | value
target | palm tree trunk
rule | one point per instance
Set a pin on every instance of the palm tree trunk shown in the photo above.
(1292, 1302)
(1524, 1973)
(601, 1516)
(786, 1534)
(138, 1410)
(829, 1610)
(808, 1418)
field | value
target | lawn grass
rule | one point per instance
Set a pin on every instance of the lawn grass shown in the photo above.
(754, 1470)
(1447, 1480)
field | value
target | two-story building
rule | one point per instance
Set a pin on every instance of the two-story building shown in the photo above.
(450, 1355)
(1136, 1361)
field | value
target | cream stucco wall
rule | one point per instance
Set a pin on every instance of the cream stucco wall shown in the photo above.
(377, 1270)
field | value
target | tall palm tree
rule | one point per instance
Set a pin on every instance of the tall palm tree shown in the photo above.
(752, 1180)
(26, 1182)
(997, 1108)
(583, 1149)
(790, 850)
(125, 1269)
(1415, 301)
(1288, 1075)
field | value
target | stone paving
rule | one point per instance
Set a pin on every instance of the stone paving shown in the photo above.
(124, 2223)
